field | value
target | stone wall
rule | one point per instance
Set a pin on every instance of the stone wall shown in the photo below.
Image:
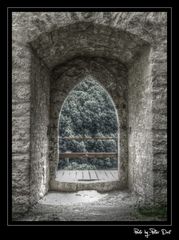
(40, 102)
(48, 41)
(20, 126)
(140, 127)
(158, 59)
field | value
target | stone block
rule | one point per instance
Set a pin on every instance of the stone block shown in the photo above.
(21, 75)
(160, 161)
(159, 80)
(21, 55)
(159, 120)
(21, 158)
(20, 123)
(20, 134)
(159, 98)
(160, 195)
(159, 68)
(160, 179)
(20, 204)
(21, 109)
(20, 146)
(20, 92)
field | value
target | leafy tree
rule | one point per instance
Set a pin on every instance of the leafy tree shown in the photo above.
(88, 111)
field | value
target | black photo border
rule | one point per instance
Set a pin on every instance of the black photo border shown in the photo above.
(6, 19)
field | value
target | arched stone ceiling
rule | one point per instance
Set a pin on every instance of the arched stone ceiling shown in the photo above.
(87, 39)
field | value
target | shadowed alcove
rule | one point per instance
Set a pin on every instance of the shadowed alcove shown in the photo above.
(119, 62)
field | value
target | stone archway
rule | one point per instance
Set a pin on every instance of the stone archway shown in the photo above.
(69, 53)
(109, 81)
(130, 54)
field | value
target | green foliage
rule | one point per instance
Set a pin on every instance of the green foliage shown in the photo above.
(88, 111)
(76, 166)
(90, 163)
(151, 213)
(157, 211)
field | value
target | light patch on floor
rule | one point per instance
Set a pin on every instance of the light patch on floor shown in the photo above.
(87, 196)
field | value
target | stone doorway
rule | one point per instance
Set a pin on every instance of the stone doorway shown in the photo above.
(77, 70)
(88, 140)
(50, 89)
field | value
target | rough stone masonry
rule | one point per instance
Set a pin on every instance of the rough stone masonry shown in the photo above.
(51, 53)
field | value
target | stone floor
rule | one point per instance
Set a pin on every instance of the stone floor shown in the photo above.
(86, 206)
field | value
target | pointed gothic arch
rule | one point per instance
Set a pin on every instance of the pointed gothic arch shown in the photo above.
(107, 81)
(112, 131)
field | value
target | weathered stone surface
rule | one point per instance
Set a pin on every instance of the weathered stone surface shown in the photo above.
(20, 203)
(159, 80)
(140, 123)
(111, 206)
(20, 145)
(22, 122)
(80, 39)
(121, 44)
(21, 109)
(160, 98)
(21, 55)
(160, 161)
(160, 177)
(20, 182)
(160, 120)
(162, 193)
(40, 86)
(21, 74)
(20, 134)
(160, 141)
(21, 92)
(152, 24)
(107, 75)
